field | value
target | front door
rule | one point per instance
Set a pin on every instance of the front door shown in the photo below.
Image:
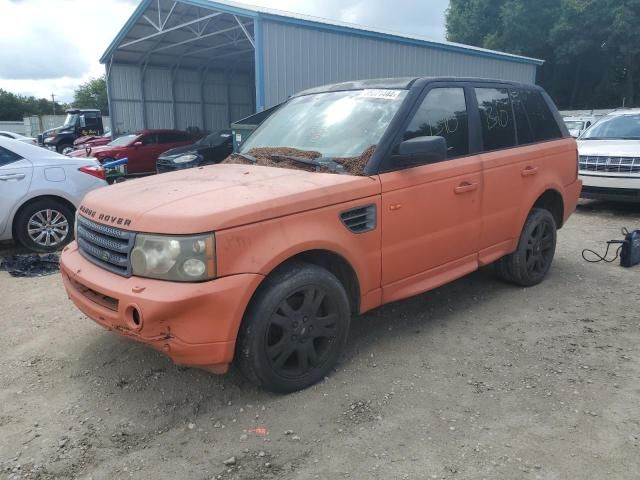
(142, 158)
(431, 214)
(15, 178)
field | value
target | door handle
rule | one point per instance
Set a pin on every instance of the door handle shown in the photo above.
(12, 176)
(465, 187)
(529, 171)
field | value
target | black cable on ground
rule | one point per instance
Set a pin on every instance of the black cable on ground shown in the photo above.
(603, 258)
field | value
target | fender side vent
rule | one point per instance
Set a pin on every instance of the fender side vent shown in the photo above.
(360, 220)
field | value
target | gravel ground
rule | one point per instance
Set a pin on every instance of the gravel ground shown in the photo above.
(474, 380)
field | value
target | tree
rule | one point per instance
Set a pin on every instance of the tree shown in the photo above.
(591, 48)
(92, 94)
(15, 107)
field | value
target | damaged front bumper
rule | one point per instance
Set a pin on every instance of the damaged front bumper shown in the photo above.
(195, 324)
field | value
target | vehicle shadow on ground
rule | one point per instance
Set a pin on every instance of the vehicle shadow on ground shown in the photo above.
(602, 207)
(8, 248)
(114, 366)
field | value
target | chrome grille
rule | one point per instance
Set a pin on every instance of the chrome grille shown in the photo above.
(107, 247)
(610, 164)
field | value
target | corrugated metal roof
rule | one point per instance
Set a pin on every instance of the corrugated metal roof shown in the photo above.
(318, 23)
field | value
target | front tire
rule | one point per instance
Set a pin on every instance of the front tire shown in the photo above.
(44, 225)
(295, 328)
(64, 148)
(531, 261)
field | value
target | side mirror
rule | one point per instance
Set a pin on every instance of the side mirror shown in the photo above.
(137, 144)
(421, 151)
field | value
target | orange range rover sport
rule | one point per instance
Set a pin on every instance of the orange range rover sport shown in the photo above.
(349, 196)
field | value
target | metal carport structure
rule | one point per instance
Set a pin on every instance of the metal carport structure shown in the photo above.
(182, 63)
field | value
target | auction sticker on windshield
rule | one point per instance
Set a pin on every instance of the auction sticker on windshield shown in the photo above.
(380, 93)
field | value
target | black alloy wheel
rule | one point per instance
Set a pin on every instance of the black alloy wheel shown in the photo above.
(295, 328)
(531, 261)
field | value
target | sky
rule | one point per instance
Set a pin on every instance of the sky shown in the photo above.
(52, 46)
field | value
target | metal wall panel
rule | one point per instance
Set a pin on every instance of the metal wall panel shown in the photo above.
(182, 99)
(298, 57)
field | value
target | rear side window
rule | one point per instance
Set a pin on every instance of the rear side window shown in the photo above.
(496, 116)
(523, 126)
(443, 113)
(542, 121)
(7, 157)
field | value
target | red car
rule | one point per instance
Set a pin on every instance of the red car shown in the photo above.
(92, 141)
(142, 149)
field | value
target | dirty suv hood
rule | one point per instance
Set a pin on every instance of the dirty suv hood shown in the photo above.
(219, 197)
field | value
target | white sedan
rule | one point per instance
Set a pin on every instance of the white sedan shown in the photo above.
(17, 136)
(39, 193)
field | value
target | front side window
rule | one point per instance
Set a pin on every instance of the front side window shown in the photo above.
(496, 117)
(7, 156)
(443, 113)
(171, 137)
(71, 120)
(150, 139)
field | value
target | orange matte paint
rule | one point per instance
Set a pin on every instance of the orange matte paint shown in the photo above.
(435, 223)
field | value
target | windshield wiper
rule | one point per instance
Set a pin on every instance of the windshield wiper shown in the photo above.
(245, 156)
(321, 162)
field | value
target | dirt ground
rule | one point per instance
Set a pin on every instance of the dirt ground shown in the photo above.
(475, 380)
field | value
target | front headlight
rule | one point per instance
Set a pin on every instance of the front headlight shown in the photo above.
(185, 158)
(178, 258)
(49, 139)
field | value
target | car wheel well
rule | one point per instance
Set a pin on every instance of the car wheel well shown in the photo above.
(63, 201)
(336, 265)
(552, 201)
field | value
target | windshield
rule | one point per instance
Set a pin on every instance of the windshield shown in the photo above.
(122, 141)
(70, 121)
(215, 139)
(334, 124)
(574, 124)
(615, 127)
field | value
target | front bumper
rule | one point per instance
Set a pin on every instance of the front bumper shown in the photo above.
(611, 187)
(194, 324)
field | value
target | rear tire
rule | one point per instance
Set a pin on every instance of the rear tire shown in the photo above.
(45, 225)
(295, 328)
(531, 261)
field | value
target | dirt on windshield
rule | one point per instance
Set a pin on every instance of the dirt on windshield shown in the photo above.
(264, 157)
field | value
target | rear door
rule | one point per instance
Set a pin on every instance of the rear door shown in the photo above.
(512, 160)
(15, 178)
(431, 214)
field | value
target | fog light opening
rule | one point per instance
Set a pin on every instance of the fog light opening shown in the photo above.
(135, 316)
